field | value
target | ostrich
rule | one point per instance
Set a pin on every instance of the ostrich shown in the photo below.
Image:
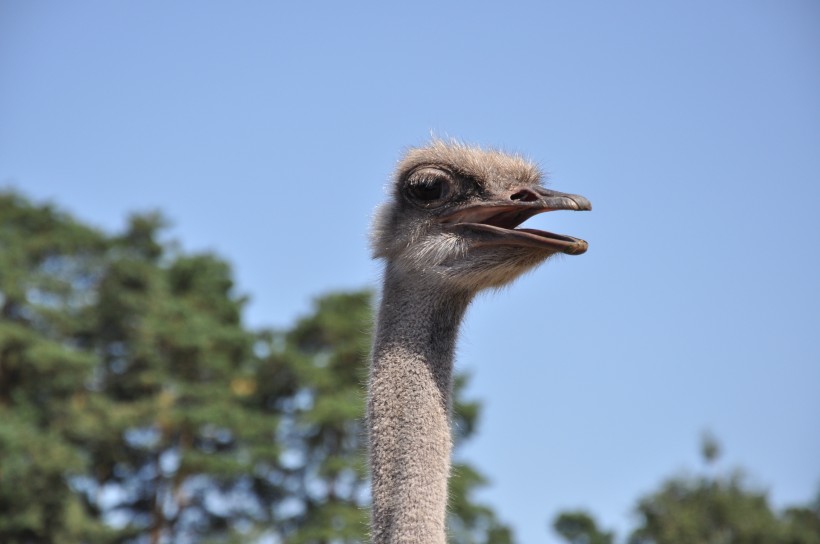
(447, 232)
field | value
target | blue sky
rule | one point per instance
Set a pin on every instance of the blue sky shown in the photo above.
(267, 132)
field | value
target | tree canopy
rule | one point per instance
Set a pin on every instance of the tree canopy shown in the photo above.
(710, 508)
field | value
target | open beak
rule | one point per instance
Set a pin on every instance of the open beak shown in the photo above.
(495, 221)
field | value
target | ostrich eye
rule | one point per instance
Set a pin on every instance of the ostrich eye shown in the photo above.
(428, 189)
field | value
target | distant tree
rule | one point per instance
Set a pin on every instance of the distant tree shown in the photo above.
(136, 407)
(709, 448)
(48, 262)
(801, 525)
(719, 509)
(322, 357)
(470, 522)
(579, 527)
(189, 448)
(706, 510)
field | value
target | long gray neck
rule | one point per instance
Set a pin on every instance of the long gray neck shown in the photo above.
(409, 409)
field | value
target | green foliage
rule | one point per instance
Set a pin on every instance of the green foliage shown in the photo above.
(470, 522)
(709, 447)
(708, 509)
(46, 262)
(321, 434)
(135, 406)
(580, 528)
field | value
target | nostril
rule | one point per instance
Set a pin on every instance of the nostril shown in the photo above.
(525, 195)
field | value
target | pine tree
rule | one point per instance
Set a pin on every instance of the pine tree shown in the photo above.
(47, 265)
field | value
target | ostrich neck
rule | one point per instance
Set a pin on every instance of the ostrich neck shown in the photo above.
(409, 409)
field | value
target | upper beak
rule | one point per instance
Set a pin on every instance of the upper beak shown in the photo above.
(554, 200)
(495, 220)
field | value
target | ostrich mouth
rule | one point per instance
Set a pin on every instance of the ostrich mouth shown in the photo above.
(494, 223)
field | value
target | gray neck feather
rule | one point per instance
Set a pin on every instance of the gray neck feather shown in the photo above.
(409, 408)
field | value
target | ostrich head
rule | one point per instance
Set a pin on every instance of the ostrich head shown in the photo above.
(453, 214)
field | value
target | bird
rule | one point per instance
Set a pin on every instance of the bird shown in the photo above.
(447, 231)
